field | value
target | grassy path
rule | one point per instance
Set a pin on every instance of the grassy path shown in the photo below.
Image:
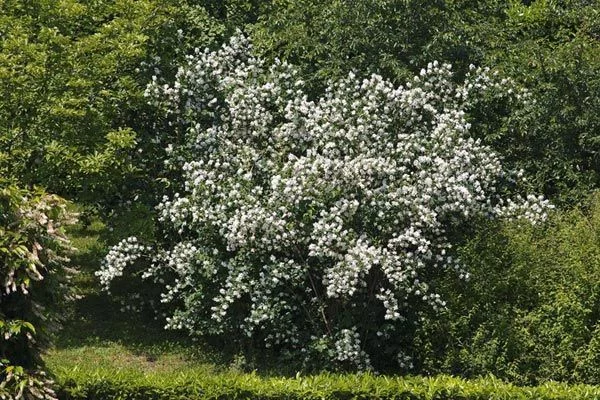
(97, 338)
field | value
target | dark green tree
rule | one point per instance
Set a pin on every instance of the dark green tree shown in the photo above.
(550, 47)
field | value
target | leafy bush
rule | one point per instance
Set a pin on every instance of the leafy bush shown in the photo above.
(316, 227)
(530, 312)
(229, 386)
(34, 282)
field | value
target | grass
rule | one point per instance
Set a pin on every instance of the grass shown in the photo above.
(97, 336)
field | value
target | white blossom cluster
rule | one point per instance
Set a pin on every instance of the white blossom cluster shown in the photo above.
(347, 348)
(126, 252)
(298, 212)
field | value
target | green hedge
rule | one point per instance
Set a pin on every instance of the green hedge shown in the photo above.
(250, 386)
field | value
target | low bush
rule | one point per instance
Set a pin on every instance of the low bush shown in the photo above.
(324, 386)
(531, 311)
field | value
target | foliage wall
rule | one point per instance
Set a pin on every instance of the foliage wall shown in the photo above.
(551, 47)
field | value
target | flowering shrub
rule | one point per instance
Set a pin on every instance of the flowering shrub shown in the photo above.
(317, 226)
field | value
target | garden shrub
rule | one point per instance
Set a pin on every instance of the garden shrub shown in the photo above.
(324, 386)
(34, 281)
(316, 226)
(530, 311)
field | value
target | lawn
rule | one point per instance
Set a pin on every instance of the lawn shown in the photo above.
(98, 337)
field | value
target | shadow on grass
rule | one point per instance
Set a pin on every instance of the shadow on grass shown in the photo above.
(94, 324)
(94, 319)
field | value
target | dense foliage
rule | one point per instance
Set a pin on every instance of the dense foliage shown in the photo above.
(316, 226)
(34, 285)
(105, 386)
(550, 46)
(530, 312)
(554, 49)
(391, 37)
(73, 117)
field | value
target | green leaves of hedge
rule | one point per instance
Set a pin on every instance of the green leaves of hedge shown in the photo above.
(320, 387)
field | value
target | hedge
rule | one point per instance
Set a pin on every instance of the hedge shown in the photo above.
(324, 386)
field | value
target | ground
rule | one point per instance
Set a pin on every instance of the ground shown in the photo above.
(97, 337)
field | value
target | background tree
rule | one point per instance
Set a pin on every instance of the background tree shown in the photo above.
(551, 47)
(73, 117)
